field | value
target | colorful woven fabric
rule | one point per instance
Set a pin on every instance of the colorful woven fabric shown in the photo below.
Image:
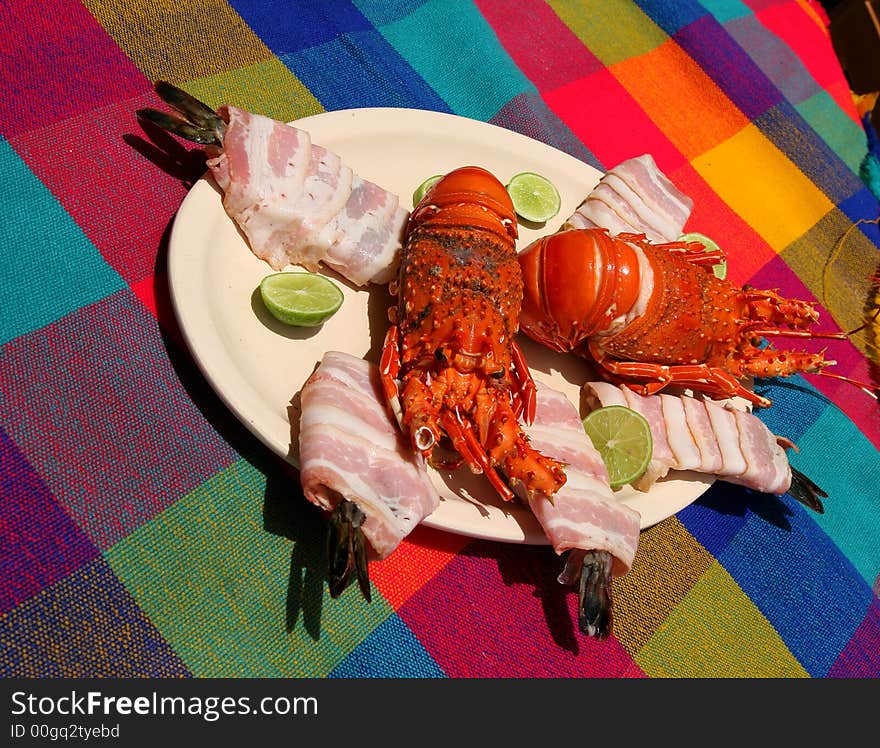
(145, 532)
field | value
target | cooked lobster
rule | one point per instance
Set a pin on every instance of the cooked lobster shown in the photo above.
(451, 370)
(654, 315)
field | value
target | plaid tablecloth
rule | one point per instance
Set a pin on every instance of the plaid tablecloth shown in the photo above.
(145, 532)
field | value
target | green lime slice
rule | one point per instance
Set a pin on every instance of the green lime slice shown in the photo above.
(623, 439)
(424, 187)
(300, 299)
(720, 268)
(535, 198)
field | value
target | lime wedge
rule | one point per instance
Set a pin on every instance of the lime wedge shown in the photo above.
(300, 299)
(424, 187)
(623, 439)
(535, 198)
(720, 268)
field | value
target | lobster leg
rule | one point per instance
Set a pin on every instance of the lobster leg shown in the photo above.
(527, 390)
(389, 368)
(708, 379)
(465, 441)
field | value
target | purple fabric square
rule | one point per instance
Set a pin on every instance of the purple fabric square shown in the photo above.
(860, 657)
(94, 403)
(58, 64)
(726, 63)
(39, 542)
(510, 590)
(85, 626)
(776, 59)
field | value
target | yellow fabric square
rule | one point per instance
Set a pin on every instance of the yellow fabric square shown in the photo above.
(668, 564)
(716, 632)
(680, 98)
(763, 186)
(267, 88)
(590, 23)
(178, 40)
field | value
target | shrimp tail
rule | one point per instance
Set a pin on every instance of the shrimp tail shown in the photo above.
(594, 595)
(347, 550)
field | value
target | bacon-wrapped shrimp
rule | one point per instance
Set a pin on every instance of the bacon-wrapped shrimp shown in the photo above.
(295, 201)
(583, 520)
(357, 466)
(692, 433)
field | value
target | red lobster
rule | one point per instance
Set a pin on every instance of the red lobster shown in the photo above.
(655, 315)
(462, 378)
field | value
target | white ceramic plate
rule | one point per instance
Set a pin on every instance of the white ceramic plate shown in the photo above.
(257, 365)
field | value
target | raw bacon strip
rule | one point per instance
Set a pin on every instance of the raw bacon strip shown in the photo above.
(708, 437)
(327, 188)
(262, 172)
(667, 208)
(369, 232)
(614, 193)
(350, 448)
(635, 197)
(297, 203)
(583, 515)
(701, 429)
(662, 459)
(685, 450)
(733, 462)
(767, 465)
(598, 213)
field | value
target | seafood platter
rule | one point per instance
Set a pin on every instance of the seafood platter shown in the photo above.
(450, 387)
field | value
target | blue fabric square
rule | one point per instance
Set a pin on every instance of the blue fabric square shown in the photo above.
(304, 24)
(390, 651)
(803, 585)
(361, 70)
(672, 16)
(726, 63)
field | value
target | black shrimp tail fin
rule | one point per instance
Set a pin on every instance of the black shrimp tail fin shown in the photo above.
(595, 615)
(198, 123)
(180, 127)
(347, 550)
(195, 111)
(806, 492)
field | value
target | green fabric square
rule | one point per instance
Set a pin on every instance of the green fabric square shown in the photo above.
(845, 137)
(55, 268)
(716, 632)
(844, 457)
(223, 587)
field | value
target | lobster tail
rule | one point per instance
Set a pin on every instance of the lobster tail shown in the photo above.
(654, 315)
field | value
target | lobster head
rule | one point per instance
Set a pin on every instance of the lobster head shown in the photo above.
(468, 196)
(575, 283)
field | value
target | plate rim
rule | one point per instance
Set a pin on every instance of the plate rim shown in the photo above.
(238, 406)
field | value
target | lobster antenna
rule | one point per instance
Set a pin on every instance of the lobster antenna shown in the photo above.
(866, 323)
(866, 388)
(826, 271)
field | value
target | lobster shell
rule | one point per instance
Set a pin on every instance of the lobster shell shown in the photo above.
(653, 315)
(462, 378)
